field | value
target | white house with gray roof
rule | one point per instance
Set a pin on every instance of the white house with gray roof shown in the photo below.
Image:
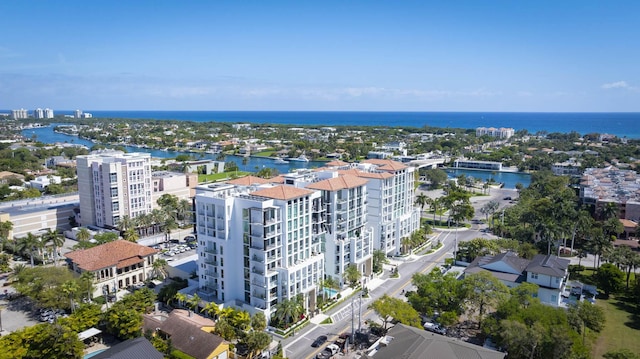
(547, 271)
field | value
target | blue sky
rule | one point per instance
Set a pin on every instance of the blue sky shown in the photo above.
(321, 55)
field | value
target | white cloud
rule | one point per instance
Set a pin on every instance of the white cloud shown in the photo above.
(619, 85)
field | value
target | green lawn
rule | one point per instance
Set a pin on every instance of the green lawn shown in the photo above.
(622, 327)
(221, 176)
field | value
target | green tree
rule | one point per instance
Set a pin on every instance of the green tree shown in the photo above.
(131, 235)
(85, 317)
(484, 291)
(225, 330)
(30, 244)
(389, 308)
(46, 340)
(87, 280)
(193, 302)
(5, 228)
(159, 267)
(258, 322)
(123, 322)
(587, 315)
(436, 292)
(256, 342)
(352, 275)
(609, 278)
(288, 311)
(56, 239)
(83, 235)
(212, 309)
(70, 288)
(436, 177)
(421, 200)
(379, 259)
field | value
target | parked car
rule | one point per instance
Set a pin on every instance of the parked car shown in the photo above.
(319, 341)
(189, 239)
(435, 328)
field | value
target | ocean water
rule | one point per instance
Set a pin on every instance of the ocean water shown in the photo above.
(622, 124)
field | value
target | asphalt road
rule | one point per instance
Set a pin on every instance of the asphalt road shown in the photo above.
(299, 346)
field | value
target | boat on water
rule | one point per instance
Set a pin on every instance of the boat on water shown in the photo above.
(280, 161)
(301, 158)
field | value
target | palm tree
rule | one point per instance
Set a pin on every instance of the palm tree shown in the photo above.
(83, 235)
(287, 310)
(125, 223)
(181, 298)
(212, 309)
(184, 211)
(86, 280)
(31, 245)
(56, 240)
(193, 302)
(421, 200)
(168, 225)
(240, 319)
(70, 288)
(159, 268)
(609, 210)
(131, 235)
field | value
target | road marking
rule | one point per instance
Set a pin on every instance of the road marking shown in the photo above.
(369, 311)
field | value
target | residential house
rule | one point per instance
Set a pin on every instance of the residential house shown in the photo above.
(189, 333)
(137, 348)
(549, 272)
(403, 341)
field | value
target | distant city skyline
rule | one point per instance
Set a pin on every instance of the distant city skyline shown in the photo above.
(503, 56)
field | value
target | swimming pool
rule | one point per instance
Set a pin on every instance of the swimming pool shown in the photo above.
(330, 292)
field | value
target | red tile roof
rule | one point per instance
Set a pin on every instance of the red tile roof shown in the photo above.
(337, 163)
(338, 183)
(110, 254)
(282, 192)
(387, 165)
(248, 181)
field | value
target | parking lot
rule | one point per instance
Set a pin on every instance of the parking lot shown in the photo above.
(15, 313)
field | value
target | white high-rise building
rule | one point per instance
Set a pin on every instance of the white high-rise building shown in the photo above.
(48, 113)
(258, 244)
(77, 114)
(113, 184)
(19, 114)
(346, 241)
(391, 213)
(38, 113)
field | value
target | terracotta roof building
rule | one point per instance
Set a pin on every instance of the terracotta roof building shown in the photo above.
(116, 265)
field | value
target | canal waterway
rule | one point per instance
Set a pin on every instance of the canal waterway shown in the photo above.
(510, 179)
(249, 164)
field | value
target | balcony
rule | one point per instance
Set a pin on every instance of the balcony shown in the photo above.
(210, 250)
(258, 259)
(211, 273)
(211, 262)
(258, 281)
(273, 245)
(258, 271)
